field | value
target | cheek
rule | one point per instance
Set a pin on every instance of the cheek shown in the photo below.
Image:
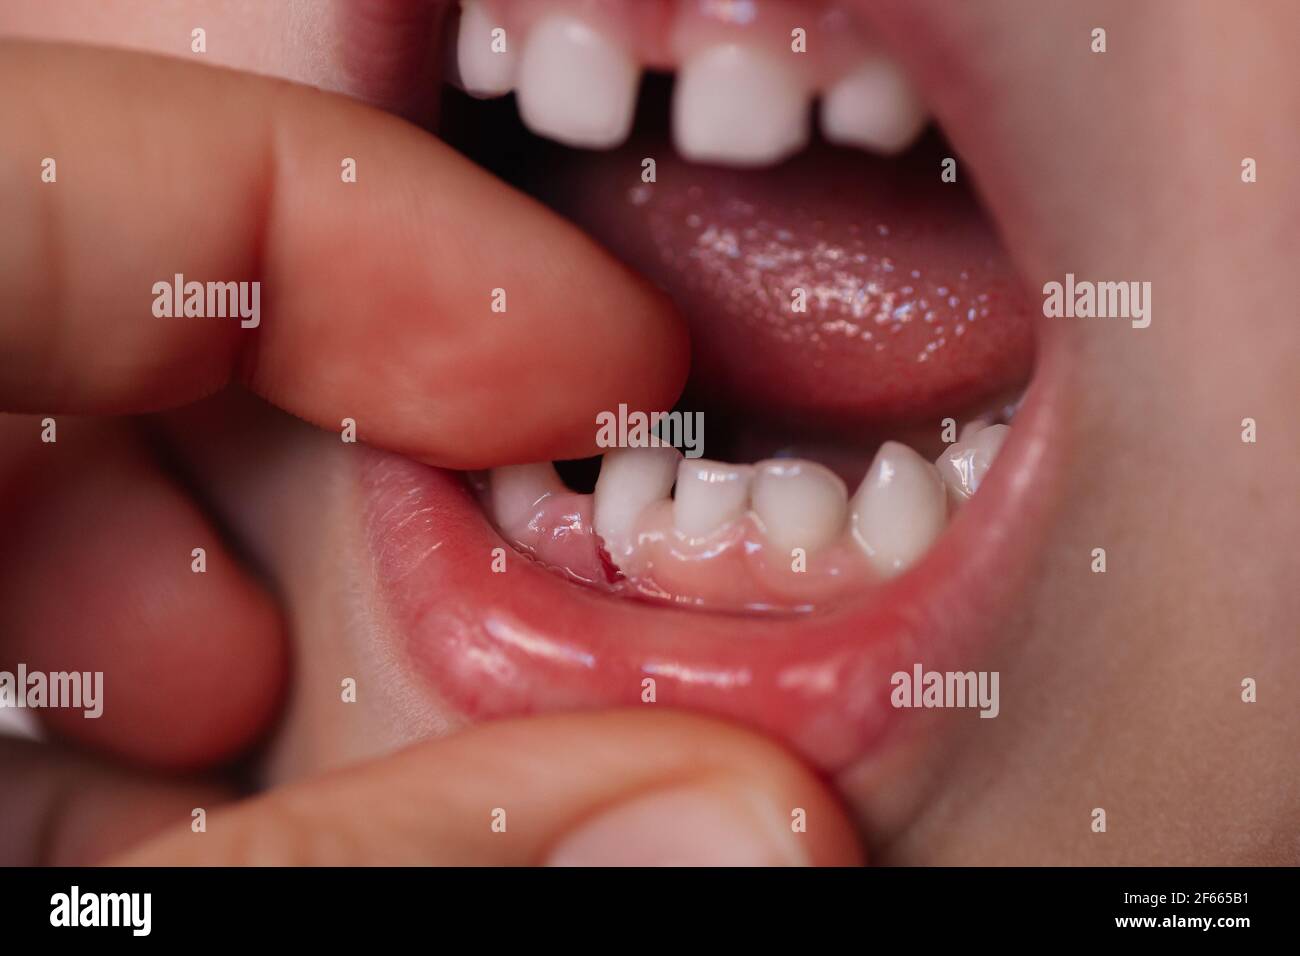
(286, 492)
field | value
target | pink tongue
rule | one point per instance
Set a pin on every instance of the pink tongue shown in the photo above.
(912, 309)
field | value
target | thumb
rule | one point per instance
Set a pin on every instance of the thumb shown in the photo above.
(620, 788)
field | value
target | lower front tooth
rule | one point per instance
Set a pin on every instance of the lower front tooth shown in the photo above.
(875, 107)
(738, 105)
(515, 491)
(576, 85)
(485, 64)
(800, 503)
(710, 495)
(630, 480)
(965, 463)
(899, 509)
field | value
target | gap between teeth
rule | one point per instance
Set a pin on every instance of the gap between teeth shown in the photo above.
(892, 518)
(734, 103)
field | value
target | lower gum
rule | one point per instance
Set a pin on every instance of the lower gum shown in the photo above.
(731, 570)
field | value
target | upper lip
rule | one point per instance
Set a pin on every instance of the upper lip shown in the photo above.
(493, 645)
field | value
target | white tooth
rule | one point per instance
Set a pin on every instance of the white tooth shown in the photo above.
(964, 464)
(874, 106)
(972, 428)
(739, 105)
(709, 495)
(483, 70)
(802, 504)
(575, 85)
(516, 489)
(630, 480)
(899, 509)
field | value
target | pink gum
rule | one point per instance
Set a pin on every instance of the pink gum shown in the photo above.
(732, 570)
(559, 534)
(737, 569)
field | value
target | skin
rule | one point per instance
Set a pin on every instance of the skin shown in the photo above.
(1120, 691)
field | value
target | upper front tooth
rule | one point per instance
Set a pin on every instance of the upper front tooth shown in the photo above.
(899, 509)
(964, 464)
(874, 106)
(516, 490)
(630, 480)
(739, 105)
(575, 84)
(802, 504)
(709, 495)
(486, 64)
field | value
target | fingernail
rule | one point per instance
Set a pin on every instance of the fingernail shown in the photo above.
(720, 825)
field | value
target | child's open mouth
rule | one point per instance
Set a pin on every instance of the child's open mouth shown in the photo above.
(877, 413)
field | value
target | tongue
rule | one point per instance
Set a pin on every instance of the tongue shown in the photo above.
(835, 293)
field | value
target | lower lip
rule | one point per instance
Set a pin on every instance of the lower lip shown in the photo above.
(495, 644)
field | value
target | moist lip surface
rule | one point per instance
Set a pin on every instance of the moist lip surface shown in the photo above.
(527, 641)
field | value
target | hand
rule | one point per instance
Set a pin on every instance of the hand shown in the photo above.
(387, 324)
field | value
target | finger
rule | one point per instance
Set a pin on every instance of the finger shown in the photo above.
(623, 787)
(108, 567)
(67, 809)
(376, 297)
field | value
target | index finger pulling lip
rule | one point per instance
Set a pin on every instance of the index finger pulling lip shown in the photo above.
(399, 285)
(494, 645)
(473, 316)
